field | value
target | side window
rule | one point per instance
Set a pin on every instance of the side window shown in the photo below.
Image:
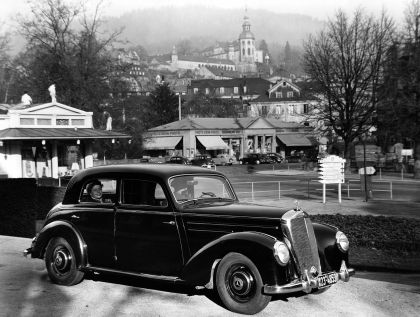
(143, 192)
(99, 190)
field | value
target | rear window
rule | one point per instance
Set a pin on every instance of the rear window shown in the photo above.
(99, 190)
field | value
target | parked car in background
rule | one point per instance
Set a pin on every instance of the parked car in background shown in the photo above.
(200, 160)
(293, 159)
(185, 225)
(256, 158)
(178, 160)
(275, 157)
(224, 159)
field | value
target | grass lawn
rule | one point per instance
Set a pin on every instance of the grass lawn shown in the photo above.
(378, 242)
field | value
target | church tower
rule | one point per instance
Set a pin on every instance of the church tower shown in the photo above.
(247, 50)
(247, 43)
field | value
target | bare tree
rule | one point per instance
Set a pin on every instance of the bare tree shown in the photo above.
(5, 71)
(400, 113)
(67, 46)
(346, 62)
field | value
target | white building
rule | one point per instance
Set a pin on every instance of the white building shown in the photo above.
(47, 140)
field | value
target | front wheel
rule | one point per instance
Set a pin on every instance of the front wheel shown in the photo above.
(239, 285)
(60, 261)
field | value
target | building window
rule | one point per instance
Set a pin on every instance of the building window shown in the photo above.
(27, 121)
(235, 90)
(195, 90)
(43, 122)
(78, 122)
(290, 94)
(249, 42)
(62, 122)
(244, 89)
(207, 91)
(243, 51)
(222, 90)
(249, 51)
(305, 108)
(279, 94)
(291, 109)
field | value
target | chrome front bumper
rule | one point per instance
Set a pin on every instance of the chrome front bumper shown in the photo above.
(306, 284)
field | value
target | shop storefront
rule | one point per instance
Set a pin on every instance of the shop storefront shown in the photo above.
(234, 136)
(47, 140)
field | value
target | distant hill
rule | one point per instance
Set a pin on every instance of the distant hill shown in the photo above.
(158, 30)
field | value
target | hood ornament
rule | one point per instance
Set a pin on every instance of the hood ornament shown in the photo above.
(297, 205)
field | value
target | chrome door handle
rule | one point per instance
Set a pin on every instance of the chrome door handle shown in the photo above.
(74, 217)
(172, 223)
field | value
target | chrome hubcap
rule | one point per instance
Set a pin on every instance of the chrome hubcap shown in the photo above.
(61, 260)
(240, 283)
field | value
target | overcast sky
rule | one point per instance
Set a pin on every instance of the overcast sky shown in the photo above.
(321, 9)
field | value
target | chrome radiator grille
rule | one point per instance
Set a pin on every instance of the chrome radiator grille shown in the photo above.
(299, 230)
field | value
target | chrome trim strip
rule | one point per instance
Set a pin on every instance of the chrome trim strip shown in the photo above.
(210, 284)
(306, 284)
(142, 275)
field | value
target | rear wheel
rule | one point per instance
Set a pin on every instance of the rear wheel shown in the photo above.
(239, 285)
(60, 261)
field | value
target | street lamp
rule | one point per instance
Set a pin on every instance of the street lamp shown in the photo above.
(179, 103)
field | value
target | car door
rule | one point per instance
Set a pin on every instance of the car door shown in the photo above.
(147, 237)
(95, 221)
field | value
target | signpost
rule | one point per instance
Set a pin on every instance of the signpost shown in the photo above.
(331, 172)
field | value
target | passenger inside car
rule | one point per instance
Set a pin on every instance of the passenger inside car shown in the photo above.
(94, 191)
(98, 191)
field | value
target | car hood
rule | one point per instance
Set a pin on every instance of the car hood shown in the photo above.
(235, 209)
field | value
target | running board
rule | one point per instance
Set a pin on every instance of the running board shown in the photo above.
(141, 275)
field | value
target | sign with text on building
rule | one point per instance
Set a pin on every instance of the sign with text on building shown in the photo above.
(332, 170)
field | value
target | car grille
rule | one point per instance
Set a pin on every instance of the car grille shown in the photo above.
(299, 230)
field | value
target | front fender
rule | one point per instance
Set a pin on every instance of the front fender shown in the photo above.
(60, 229)
(257, 246)
(329, 254)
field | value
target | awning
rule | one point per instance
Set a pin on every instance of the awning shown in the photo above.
(59, 134)
(294, 140)
(161, 143)
(213, 142)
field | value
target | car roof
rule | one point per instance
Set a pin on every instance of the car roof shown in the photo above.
(160, 171)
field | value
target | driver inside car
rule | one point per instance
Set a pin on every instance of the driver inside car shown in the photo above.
(182, 188)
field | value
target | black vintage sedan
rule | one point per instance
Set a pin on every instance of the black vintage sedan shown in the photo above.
(185, 224)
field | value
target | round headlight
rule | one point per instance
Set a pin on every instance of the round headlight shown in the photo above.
(281, 253)
(342, 241)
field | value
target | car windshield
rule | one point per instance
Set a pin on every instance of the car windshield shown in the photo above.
(194, 187)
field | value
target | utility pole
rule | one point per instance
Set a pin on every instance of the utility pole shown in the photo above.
(179, 104)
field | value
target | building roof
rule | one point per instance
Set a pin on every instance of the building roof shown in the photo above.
(223, 72)
(205, 60)
(58, 134)
(252, 83)
(220, 123)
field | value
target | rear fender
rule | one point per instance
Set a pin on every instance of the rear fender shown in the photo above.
(61, 229)
(256, 246)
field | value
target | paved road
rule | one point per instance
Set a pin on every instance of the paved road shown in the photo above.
(304, 185)
(26, 291)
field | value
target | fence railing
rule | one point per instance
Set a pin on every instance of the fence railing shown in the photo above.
(307, 189)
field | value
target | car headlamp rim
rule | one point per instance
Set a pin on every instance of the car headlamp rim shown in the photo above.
(281, 253)
(342, 241)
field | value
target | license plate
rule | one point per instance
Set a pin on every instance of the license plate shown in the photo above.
(327, 279)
